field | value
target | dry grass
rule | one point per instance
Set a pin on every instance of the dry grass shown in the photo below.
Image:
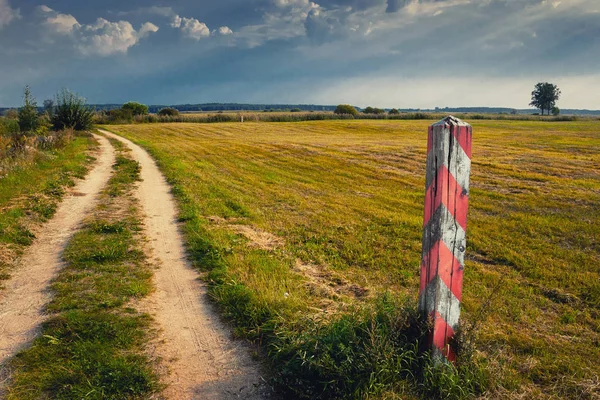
(347, 196)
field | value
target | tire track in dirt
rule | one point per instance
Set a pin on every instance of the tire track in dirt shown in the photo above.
(193, 344)
(25, 295)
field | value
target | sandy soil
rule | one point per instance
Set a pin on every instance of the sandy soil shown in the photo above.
(203, 361)
(26, 293)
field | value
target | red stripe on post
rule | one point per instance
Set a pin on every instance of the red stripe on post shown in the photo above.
(445, 190)
(463, 136)
(441, 336)
(448, 268)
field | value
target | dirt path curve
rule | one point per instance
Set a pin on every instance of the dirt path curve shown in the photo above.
(203, 361)
(26, 293)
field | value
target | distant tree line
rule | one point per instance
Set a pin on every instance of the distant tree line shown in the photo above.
(212, 107)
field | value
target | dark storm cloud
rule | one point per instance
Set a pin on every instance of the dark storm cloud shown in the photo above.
(307, 47)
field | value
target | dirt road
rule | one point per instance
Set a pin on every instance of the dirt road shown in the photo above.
(22, 302)
(203, 361)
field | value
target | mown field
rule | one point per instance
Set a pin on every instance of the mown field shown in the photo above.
(298, 225)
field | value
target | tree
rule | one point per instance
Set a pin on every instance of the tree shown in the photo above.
(28, 115)
(544, 96)
(345, 109)
(135, 108)
(394, 111)
(168, 112)
(71, 111)
(49, 106)
(372, 110)
(555, 111)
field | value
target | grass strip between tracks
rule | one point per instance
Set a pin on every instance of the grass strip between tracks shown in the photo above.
(92, 346)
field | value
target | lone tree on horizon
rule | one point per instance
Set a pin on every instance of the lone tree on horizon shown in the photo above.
(544, 96)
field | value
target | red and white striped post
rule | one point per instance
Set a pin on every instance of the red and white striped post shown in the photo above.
(444, 231)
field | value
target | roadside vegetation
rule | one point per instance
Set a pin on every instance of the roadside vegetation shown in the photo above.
(92, 346)
(309, 235)
(37, 165)
(118, 116)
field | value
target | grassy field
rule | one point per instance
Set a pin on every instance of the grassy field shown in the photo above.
(92, 346)
(300, 227)
(31, 186)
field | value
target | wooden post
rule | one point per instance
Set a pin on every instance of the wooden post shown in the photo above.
(444, 231)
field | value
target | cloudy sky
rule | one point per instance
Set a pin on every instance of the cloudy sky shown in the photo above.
(386, 53)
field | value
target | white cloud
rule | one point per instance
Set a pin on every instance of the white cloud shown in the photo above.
(7, 13)
(190, 27)
(62, 24)
(176, 21)
(146, 29)
(194, 29)
(224, 31)
(103, 38)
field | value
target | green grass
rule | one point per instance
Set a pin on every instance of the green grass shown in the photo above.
(346, 199)
(92, 346)
(30, 192)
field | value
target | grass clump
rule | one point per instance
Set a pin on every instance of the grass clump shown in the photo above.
(366, 353)
(92, 346)
(85, 355)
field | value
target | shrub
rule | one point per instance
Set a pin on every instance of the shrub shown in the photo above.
(12, 114)
(135, 108)
(346, 109)
(394, 111)
(70, 111)
(555, 111)
(221, 117)
(168, 112)
(8, 127)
